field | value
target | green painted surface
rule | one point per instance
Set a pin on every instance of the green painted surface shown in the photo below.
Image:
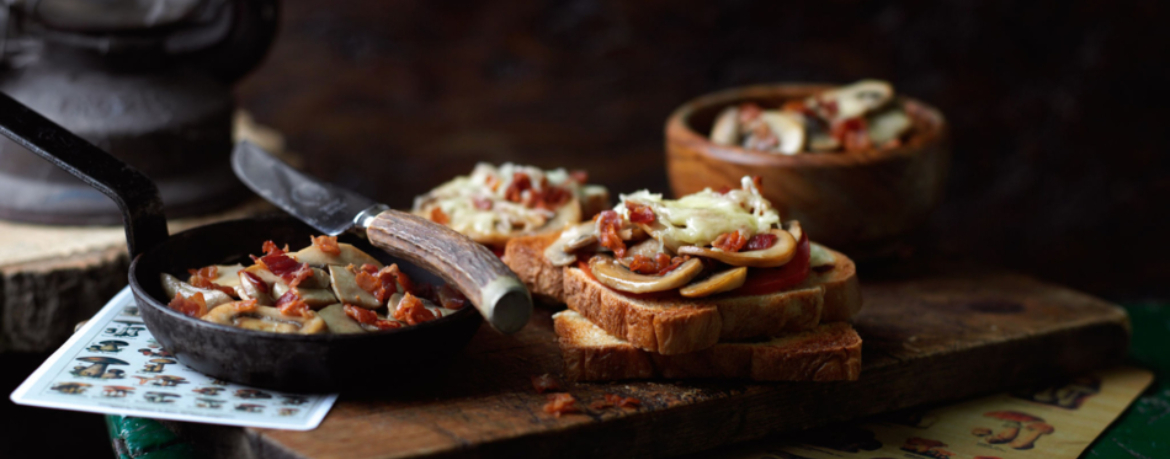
(140, 438)
(1143, 431)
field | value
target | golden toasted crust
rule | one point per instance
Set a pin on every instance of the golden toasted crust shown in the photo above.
(525, 256)
(829, 352)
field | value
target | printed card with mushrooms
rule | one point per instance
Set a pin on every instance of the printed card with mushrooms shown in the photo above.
(495, 204)
(861, 116)
(729, 241)
(327, 287)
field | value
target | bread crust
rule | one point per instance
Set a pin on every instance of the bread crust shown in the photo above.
(829, 352)
(524, 255)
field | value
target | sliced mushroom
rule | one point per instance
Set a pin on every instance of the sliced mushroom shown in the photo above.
(779, 254)
(648, 248)
(794, 228)
(337, 321)
(226, 275)
(726, 128)
(819, 256)
(253, 288)
(856, 99)
(789, 128)
(346, 288)
(173, 286)
(314, 297)
(265, 275)
(717, 283)
(887, 125)
(265, 318)
(350, 255)
(560, 252)
(615, 276)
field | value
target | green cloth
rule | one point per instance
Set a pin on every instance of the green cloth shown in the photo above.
(140, 438)
(1143, 431)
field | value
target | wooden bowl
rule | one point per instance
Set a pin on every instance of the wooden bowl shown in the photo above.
(863, 203)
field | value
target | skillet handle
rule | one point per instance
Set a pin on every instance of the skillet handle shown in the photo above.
(472, 268)
(135, 194)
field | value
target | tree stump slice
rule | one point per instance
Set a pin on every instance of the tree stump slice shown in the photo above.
(52, 277)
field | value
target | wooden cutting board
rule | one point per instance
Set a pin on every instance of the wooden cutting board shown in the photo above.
(929, 337)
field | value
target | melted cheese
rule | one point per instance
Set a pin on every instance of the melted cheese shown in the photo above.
(457, 199)
(699, 218)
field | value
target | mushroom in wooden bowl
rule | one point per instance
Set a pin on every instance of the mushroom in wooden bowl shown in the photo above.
(857, 165)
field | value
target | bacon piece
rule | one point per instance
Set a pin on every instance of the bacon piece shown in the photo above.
(723, 189)
(245, 306)
(482, 203)
(387, 324)
(360, 315)
(761, 241)
(759, 181)
(640, 213)
(282, 265)
(449, 298)
(642, 264)
(579, 175)
(256, 281)
(552, 197)
(195, 306)
(730, 242)
(298, 276)
(624, 402)
(290, 304)
(202, 278)
(852, 134)
(600, 405)
(271, 248)
(561, 403)
(440, 217)
(608, 225)
(407, 284)
(492, 183)
(327, 244)
(674, 263)
(520, 183)
(412, 311)
(544, 383)
(380, 283)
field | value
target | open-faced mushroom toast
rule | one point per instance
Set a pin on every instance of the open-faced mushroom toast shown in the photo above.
(660, 280)
(327, 287)
(860, 116)
(495, 204)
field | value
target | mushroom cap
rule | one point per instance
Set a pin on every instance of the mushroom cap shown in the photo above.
(106, 360)
(1012, 416)
(1041, 426)
(161, 361)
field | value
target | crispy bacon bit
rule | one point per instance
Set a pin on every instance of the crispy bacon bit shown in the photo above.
(256, 281)
(360, 315)
(545, 383)
(195, 306)
(608, 225)
(202, 278)
(492, 182)
(520, 183)
(290, 304)
(482, 203)
(829, 107)
(600, 405)
(852, 134)
(245, 306)
(674, 263)
(407, 284)
(642, 264)
(271, 248)
(561, 403)
(580, 176)
(749, 112)
(387, 324)
(761, 241)
(793, 106)
(624, 402)
(327, 244)
(298, 276)
(447, 297)
(440, 217)
(551, 197)
(730, 242)
(759, 181)
(412, 311)
(640, 213)
(282, 265)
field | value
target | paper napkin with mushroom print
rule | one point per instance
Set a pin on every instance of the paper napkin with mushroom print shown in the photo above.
(113, 365)
(1051, 421)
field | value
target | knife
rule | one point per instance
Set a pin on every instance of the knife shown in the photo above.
(470, 267)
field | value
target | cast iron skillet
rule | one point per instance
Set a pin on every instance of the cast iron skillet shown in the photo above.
(326, 362)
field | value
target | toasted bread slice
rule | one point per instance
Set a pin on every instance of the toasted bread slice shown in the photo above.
(525, 256)
(829, 352)
(678, 326)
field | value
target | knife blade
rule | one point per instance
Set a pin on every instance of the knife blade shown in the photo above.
(328, 208)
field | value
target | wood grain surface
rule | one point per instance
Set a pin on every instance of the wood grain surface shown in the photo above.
(944, 336)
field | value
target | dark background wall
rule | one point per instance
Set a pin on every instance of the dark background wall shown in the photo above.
(1058, 109)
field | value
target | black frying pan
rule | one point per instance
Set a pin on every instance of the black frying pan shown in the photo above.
(277, 361)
